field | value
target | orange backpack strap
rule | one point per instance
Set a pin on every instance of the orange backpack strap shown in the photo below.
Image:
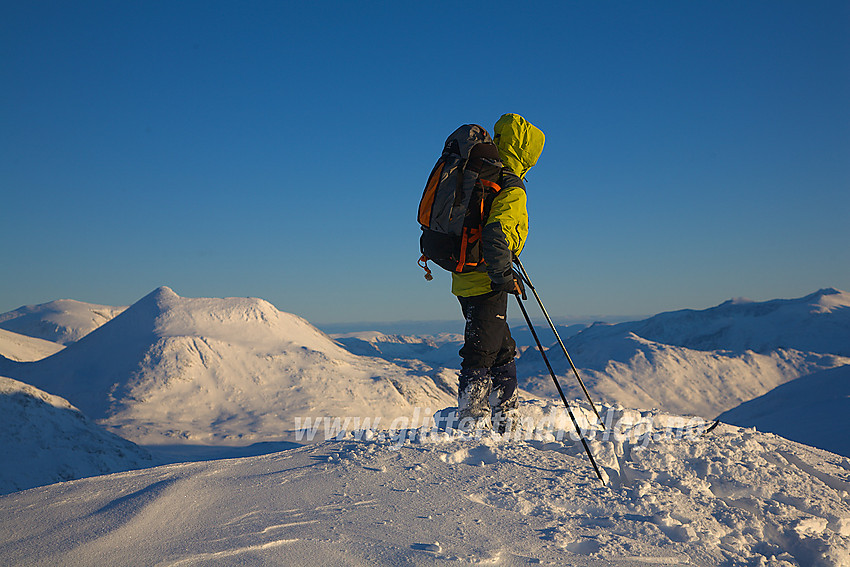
(489, 184)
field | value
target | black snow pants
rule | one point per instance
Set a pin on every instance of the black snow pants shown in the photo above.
(487, 337)
(488, 353)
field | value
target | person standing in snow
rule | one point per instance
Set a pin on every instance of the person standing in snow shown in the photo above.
(487, 389)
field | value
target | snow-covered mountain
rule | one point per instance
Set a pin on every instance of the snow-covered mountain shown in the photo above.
(731, 497)
(63, 321)
(814, 410)
(25, 349)
(235, 370)
(702, 362)
(688, 362)
(46, 440)
(640, 373)
(819, 322)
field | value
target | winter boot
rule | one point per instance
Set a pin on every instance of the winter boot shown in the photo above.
(473, 406)
(503, 398)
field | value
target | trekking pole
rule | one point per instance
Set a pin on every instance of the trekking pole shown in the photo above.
(560, 391)
(527, 282)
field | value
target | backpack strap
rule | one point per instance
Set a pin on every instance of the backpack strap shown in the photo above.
(510, 179)
(495, 187)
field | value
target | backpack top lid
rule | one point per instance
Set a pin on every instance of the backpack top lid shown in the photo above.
(471, 141)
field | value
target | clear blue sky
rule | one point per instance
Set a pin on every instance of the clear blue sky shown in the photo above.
(696, 151)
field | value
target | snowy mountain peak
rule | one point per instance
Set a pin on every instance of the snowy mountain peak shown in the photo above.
(829, 299)
(821, 301)
(737, 301)
(63, 321)
(163, 313)
(163, 295)
(829, 291)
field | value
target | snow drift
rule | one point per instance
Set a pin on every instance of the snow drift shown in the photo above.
(47, 440)
(235, 370)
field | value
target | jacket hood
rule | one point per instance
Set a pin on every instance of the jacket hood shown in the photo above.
(519, 141)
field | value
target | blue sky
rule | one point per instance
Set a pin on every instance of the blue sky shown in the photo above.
(696, 151)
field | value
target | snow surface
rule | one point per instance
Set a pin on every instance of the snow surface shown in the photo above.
(423, 497)
(25, 349)
(63, 321)
(46, 440)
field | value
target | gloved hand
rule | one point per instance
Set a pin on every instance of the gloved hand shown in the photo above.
(513, 285)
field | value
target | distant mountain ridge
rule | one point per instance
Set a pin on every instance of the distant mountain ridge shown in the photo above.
(699, 362)
(247, 369)
(819, 322)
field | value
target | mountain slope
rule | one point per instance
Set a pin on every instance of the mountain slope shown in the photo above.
(25, 349)
(637, 372)
(813, 409)
(63, 321)
(236, 370)
(46, 440)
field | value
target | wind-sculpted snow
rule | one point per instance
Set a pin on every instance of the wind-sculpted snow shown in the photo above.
(236, 370)
(46, 440)
(731, 497)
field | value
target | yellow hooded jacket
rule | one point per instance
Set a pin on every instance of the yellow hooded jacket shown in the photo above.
(520, 144)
